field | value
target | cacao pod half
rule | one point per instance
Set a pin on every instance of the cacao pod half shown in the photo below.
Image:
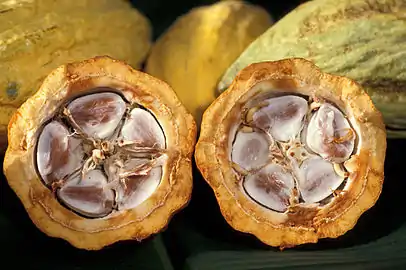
(39, 35)
(360, 39)
(197, 49)
(293, 154)
(101, 153)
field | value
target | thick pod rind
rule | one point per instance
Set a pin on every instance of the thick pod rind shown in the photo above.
(76, 79)
(364, 40)
(302, 223)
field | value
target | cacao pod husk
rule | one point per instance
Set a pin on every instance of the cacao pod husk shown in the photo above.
(302, 220)
(40, 187)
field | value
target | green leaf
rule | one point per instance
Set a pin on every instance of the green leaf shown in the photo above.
(388, 252)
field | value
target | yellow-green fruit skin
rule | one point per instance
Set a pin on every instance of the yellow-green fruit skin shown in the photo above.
(364, 40)
(199, 46)
(36, 36)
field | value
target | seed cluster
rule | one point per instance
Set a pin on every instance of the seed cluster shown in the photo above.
(291, 150)
(101, 154)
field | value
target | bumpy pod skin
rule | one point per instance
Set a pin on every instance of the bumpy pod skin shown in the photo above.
(363, 40)
(37, 36)
(197, 49)
(301, 224)
(76, 79)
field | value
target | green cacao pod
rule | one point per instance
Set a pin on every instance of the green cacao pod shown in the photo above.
(364, 40)
(36, 36)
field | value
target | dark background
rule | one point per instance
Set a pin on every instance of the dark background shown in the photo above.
(163, 12)
(198, 237)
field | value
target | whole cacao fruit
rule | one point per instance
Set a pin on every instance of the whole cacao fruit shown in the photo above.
(197, 49)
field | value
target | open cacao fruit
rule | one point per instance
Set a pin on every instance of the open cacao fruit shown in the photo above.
(293, 154)
(101, 153)
(37, 36)
(361, 39)
(199, 46)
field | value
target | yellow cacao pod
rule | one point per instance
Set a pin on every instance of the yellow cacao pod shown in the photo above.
(360, 39)
(197, 49)
(36, 36)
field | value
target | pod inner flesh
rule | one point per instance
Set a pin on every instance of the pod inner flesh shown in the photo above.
(101, 154)
(291, 150)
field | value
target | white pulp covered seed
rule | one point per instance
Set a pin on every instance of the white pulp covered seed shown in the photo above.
(292, 126)
(250, 150)
(271, 186)
(137, 188)
(108, 160)
(98, 115)
(87, 195)
(135, 179)
(58, 153)
(317, 179)
(142, 128)
(329, 134)
(282, 117)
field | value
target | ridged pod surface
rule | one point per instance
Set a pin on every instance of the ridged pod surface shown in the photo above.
(293, 154)
(364, 40)
(101, 153)
(199, 46)
(37, 36)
